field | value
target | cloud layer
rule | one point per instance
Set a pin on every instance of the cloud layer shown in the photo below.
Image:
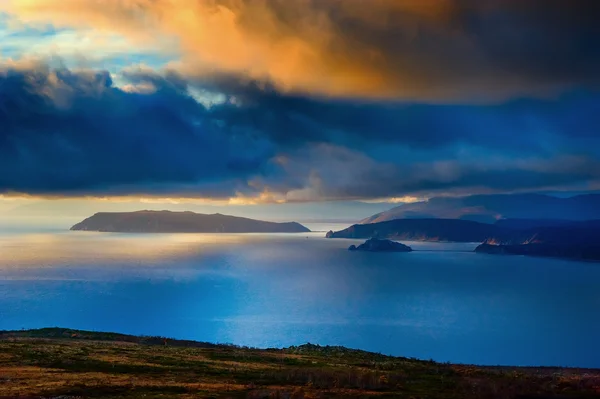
(69, 132)
(298, 100)
(424, 50)
(74, 132)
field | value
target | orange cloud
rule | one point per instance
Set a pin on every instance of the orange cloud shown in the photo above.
(294, 43)
(407, 49)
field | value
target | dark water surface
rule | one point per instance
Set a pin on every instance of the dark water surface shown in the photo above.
(278, 290)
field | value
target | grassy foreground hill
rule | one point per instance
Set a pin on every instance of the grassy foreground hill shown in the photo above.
(67, 364)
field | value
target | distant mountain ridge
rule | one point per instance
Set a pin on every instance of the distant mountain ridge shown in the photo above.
(586, 232)
(490, 208)
(181, 222)
(524, 224)
(422, 230)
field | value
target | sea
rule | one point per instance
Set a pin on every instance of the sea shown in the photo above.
(441, 302)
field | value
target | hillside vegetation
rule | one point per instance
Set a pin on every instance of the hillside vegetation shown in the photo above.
(61, 363)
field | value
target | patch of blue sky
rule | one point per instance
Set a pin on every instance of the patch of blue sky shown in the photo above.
(87, 49)
(78, 48)
(116, 62)
(15, 37)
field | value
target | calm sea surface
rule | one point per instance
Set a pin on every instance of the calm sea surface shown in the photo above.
(273, 290)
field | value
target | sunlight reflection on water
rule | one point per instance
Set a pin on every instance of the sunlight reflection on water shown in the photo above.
(277, 289)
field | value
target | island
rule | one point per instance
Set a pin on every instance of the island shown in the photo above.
(181, 222)
(533, 237)
(378, 245)
(422, 230)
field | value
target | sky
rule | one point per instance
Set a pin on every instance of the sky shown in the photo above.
(318, 108)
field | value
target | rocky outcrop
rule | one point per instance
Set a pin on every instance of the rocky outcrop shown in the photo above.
(377, 245)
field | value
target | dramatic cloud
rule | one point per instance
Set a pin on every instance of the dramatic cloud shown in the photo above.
(73, 132)
(298, 100)
(533, 125)
(426, 50)
(338, 173)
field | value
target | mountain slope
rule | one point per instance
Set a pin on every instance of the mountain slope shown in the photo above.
(576, 240)
(569, 234)
(489, 208)
(423, 230)
(525, 224)
(181, 222)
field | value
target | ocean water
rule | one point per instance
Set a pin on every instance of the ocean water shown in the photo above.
(442, 302)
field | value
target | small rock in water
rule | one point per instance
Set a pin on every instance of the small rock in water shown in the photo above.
(379, 245)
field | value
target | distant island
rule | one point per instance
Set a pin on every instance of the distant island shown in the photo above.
(553, 238)
(181, 222)
(377, 245)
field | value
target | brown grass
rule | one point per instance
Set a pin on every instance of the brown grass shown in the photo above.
(84, 364)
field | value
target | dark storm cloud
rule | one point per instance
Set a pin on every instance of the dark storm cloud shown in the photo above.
(74, 132)
(423, 50)
(463, 177)
(339, 173)
(521, 126)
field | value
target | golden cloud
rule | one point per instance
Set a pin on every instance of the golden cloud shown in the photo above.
(408, 49)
